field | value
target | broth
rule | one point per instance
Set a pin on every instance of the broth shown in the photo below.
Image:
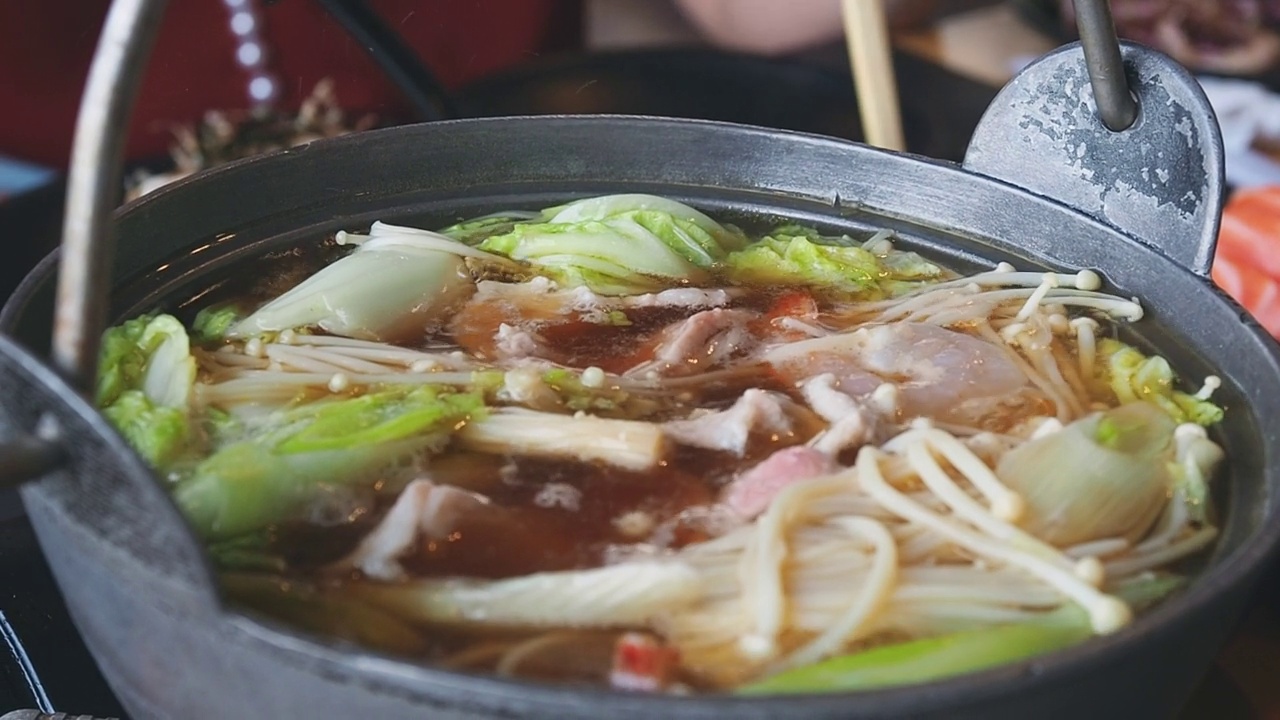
(624, 444)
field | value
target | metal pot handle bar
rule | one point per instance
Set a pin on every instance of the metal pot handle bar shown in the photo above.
(1117, 107)
(94, 187)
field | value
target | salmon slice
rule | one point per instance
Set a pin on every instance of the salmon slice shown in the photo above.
(1247, 263)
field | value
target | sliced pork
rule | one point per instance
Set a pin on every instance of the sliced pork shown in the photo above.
(757, 411)
(449, 531)
(752, 492)
(853, 423)
(423, 510)
(691, 298)
(700, 343)
(512, 321)
(940, 373)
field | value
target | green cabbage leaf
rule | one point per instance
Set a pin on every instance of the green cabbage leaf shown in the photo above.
(145, 377)
(300, 454)
(1130, 376)
(798, 256)
(620, 244)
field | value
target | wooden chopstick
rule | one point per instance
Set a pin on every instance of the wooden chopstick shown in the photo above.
(866, 31)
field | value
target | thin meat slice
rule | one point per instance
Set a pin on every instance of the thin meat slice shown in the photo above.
(752, 492)
(691, 298)
(938, 372)
(791, 317)
(853, 423)
(423, 509)
(508, 322)
(757, 411)
(583, 300)
(699, 343)
(442, 530)
(827, 399)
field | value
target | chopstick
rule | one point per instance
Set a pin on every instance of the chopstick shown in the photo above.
(866, 31)
(394, 56)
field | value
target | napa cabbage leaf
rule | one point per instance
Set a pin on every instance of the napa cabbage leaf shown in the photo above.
(1128, 375)
(213, 323)
(794, 255)
(303, 452)
(1103, 476)
(396, 282)
(145, 377)
(620, 244)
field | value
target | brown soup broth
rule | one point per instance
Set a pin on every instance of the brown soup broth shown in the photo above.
(549, 515)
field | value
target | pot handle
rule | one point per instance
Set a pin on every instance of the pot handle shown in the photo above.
(1161, 180)
(93, 185)
(26, 457)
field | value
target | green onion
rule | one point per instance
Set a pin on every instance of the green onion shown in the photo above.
(918, 661)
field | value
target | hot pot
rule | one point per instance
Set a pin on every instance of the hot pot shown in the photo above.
(1045, 184)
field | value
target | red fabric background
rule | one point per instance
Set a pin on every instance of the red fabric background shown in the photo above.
(46, 46)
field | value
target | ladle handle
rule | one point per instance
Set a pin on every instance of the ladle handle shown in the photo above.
(1116, 104)
(1160, 180)
(94, 187)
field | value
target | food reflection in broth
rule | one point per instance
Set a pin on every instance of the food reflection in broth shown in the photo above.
(620, 443)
